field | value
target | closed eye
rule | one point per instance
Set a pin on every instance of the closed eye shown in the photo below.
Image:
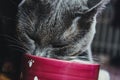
(77, 14)
(58, 45)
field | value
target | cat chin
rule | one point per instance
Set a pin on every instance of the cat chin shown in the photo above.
(103, 75)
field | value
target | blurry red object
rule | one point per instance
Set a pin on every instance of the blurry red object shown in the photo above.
(41, 68)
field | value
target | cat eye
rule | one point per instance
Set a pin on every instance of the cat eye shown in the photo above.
(58, 45)
(77, 14)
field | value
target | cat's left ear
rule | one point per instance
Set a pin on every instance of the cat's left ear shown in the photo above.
(96, 6)
(21, 3)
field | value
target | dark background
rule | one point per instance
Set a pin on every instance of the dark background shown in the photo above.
(9, 56)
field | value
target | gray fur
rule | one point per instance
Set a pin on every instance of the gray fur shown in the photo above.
(58, 28)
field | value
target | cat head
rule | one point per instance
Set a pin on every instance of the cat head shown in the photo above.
(58, 27)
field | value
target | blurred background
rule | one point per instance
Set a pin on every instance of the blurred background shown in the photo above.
(106, 44)
(105, 47)
(9, 57)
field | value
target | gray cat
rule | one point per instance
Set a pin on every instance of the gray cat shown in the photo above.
(59, 29)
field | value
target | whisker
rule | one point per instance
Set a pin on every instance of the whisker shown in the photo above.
(14, 42)
(7, 18)
(18, 47)
(11, 39)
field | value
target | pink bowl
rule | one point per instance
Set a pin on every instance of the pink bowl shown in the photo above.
(40, 68)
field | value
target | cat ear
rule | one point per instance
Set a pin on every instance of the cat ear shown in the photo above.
(21, 3)
(96, 6)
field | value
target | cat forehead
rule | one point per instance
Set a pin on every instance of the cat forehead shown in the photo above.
(54, 2)
(76, 5)
(91, 3)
